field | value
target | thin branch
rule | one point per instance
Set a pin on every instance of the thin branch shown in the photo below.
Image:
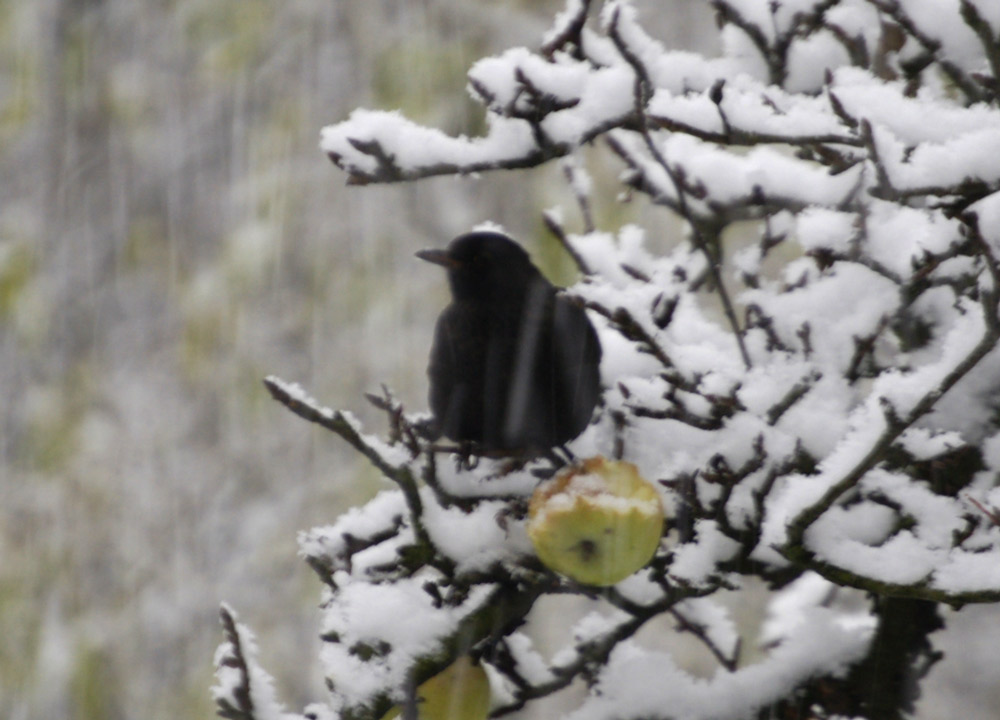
(864, 347)
(895, 10)
(401, 430)
(987, 36)
(991, 513)
(918, 590)
(798, 391)
(582, 199)
(775, 54)
(643, 86)
(685, 624)
(677, 413)
(570, 33)
(775, 65)
(739, 137)
(234, 658)
(633, 330)
(555, 227)
(720, 473)
(386, 170)
(336, 422)
(884, 189)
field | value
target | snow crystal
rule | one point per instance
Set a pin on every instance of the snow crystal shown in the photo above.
(591, 626)
(715, 619)
(562, 20)
(904, 391)
(968, 572)
(911, 120)
(475, 539)
(297, 393)
(964, 157)
(412, 146)
(942, 20)
(810, 59)
(763, 169)
(593, 491)
(696, 561)
(606, 99)
(845, 303)
(787, 611)
(365, 521)
(924, 444)
(988, 212)
(938, 517)
(530, 664)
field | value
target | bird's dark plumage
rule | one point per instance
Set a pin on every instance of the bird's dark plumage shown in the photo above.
(514, 365)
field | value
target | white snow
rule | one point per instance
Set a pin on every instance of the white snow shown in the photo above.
(477, 539)
(854, 266)
(399, 621)
(694, 562)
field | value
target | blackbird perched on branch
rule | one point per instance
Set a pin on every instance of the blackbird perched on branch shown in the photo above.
(514, 364)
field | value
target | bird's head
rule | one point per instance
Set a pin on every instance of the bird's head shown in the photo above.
(483, 265)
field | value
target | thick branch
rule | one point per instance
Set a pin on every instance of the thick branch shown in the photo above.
(795, 547)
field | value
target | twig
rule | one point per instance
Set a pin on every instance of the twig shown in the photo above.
(987, 37)
(582, 199)
(595, 652)
(739, 137)
(570, 32)
(553, 225)
(633, 330)
(643, 89)
(775, 54)
(400, 427)
(893, 9)
(794, 394)
(334, 421)
(684, 624)
(992, 514)
(234, 658)
(884, 189)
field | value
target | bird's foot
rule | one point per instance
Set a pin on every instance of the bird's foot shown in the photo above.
(509, 465)
(553, 462)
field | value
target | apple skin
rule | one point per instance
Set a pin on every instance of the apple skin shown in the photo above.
(459, 692)
(596, 522)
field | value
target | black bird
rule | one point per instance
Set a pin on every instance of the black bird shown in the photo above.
(514, 365)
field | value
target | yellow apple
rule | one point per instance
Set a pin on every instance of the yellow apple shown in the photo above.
(596, 522)
(459, 692)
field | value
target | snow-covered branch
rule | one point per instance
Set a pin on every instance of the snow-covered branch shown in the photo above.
(807, 374)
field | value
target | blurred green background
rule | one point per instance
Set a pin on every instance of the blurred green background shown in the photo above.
(170, 234)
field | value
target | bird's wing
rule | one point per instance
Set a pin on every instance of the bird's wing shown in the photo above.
(578, 355)
(455, 379)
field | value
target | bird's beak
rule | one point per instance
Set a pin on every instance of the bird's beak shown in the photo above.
(438, 257)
